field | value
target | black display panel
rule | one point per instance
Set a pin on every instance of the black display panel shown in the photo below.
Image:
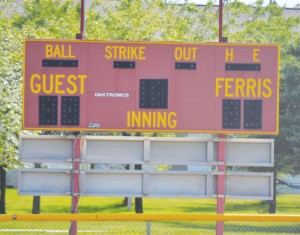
(231, 114)
(70, 110)
(242, 67)
(60, 63)
(186, 65)
(124, 64)
(154, 93)
(48, 110)
(253, 114)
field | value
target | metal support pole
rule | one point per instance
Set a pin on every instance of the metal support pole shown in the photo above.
(82, 21)
(220, 20)
(75, 183)
(81, 35)
(77, 143)
(148, 227)
(221, 185)
(222, 151)
(36, 207)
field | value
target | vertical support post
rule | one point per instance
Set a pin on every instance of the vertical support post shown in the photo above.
(138, 200)
(81, 35)
(75, 182)
(222, 151)
(220, 20)
(148, 227)
(82, 19)
(36, 207)
(221, 184)
(2, 189)
(77, 142)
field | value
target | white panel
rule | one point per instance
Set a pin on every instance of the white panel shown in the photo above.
(111, 183)
(113, 150)
(183, 151)
(38, 182)
(250, 185)
(250, 152)
(178, 185)
(210, 151)
(45, 149)
(144, 184)
(147, 150)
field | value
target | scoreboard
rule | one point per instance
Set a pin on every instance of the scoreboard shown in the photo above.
(128, 86)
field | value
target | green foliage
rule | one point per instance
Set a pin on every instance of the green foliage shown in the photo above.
(150, 20)
(39, 19)
(287, 145)
(264, 25)
(10, 92)
(48, 19)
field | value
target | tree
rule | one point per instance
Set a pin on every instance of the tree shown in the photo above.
(287, 147)
(263, 25)
(48, 19)
(150, 20)
(288, 142)
(10, 99)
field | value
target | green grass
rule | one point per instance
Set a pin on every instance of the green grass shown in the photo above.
(15, 204)
(286, 204)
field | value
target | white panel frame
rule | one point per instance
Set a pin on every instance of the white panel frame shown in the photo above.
(45, 148)
(139, 183)
(181, 151)
(147, 150)
(111, 149)
(178, 184)
(48, 182)
(249, 185)
(248, 152)
(115, 183)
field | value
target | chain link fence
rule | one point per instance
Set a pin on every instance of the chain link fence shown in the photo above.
(149, 224)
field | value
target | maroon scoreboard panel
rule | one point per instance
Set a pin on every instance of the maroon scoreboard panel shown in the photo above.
(131, 86)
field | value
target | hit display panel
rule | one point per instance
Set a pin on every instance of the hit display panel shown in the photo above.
(150, 86)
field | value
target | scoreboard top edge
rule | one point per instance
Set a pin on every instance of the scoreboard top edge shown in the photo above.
(151, 42)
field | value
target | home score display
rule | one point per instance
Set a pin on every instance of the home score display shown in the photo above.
(80, 85)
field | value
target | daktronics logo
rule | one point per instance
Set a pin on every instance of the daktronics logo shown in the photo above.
(112, 95)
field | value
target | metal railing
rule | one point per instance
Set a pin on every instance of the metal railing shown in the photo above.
(149, 224)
